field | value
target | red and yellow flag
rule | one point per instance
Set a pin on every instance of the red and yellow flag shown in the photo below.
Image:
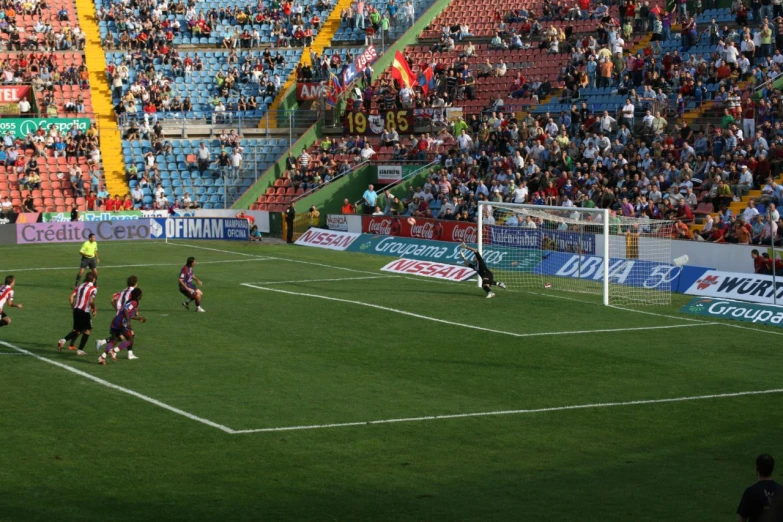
(401, 71)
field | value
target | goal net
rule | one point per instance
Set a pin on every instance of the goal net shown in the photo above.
(625, 261)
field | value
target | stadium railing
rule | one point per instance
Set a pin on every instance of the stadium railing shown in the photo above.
(199, 123)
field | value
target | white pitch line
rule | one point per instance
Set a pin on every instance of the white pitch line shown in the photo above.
(230, 431)
(470, 326)
(216, 250)
(112, 386)
(104, 267)
(275, 258)
(321, 280)
(513, 412)
(428, 280)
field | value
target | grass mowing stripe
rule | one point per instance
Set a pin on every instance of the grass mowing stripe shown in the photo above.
(516, 412)
(104, 267)
(112, 386)
(470, 326)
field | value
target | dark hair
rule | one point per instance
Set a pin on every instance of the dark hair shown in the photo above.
(136, 294)
(132, 280)
(190, 261)
(754, 252)
(765, 465)
(89, 278)
(91, 235)
(9, 279)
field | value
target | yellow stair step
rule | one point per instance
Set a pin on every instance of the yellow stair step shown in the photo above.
(111, 140)
(321, 42)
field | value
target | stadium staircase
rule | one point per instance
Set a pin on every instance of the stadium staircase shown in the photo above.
(111, 143)
(320, 42)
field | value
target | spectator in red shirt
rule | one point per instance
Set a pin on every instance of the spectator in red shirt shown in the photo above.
(347, 207)
(716, 236)
(684, 211)
(90, 200)
(759, 263)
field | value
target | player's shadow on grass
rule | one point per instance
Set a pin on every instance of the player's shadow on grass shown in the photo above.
(49, 351)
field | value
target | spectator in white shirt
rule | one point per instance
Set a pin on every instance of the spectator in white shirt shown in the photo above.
(742, 187)
(367, 152)
(138, 197)
(521, 193)
(464, 141)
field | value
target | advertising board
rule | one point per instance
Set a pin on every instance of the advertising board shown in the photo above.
(543, 239)
(434, 229)
(344, 222)
(441, 251)
(389, 174)
(201, 228)
(77, 232)
(329, 239)
(430, 269)
(21, 127)
(736, 311)
(631, 272)
(756, 288)
(63, 217)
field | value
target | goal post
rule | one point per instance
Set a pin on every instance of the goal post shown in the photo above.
(621, 260)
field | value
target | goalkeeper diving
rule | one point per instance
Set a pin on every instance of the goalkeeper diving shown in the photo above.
(478, 264)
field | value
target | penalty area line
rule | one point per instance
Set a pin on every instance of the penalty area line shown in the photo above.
(514, 412)
(107, 384)
(470, 326)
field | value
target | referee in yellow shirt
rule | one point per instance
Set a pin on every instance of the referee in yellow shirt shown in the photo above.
(89, 252)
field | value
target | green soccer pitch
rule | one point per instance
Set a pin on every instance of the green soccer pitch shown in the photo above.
(317, 387)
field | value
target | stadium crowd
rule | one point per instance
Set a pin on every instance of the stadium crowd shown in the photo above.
(149, 90)
(643, 159)
(156, 23)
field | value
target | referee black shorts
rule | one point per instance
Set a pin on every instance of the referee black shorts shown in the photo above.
(81, 320)
(88, 262)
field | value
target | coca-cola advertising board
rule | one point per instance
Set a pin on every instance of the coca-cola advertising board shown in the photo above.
(435, 229)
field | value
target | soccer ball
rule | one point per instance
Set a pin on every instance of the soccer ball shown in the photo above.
(411, 221)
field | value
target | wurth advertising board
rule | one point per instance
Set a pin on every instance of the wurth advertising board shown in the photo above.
(756, 288)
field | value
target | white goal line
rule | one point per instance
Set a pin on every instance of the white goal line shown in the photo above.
(470, 326)
(230, 431)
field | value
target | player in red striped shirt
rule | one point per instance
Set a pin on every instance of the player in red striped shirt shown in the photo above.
(118, 300)
(84, 309)
(7, 298)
